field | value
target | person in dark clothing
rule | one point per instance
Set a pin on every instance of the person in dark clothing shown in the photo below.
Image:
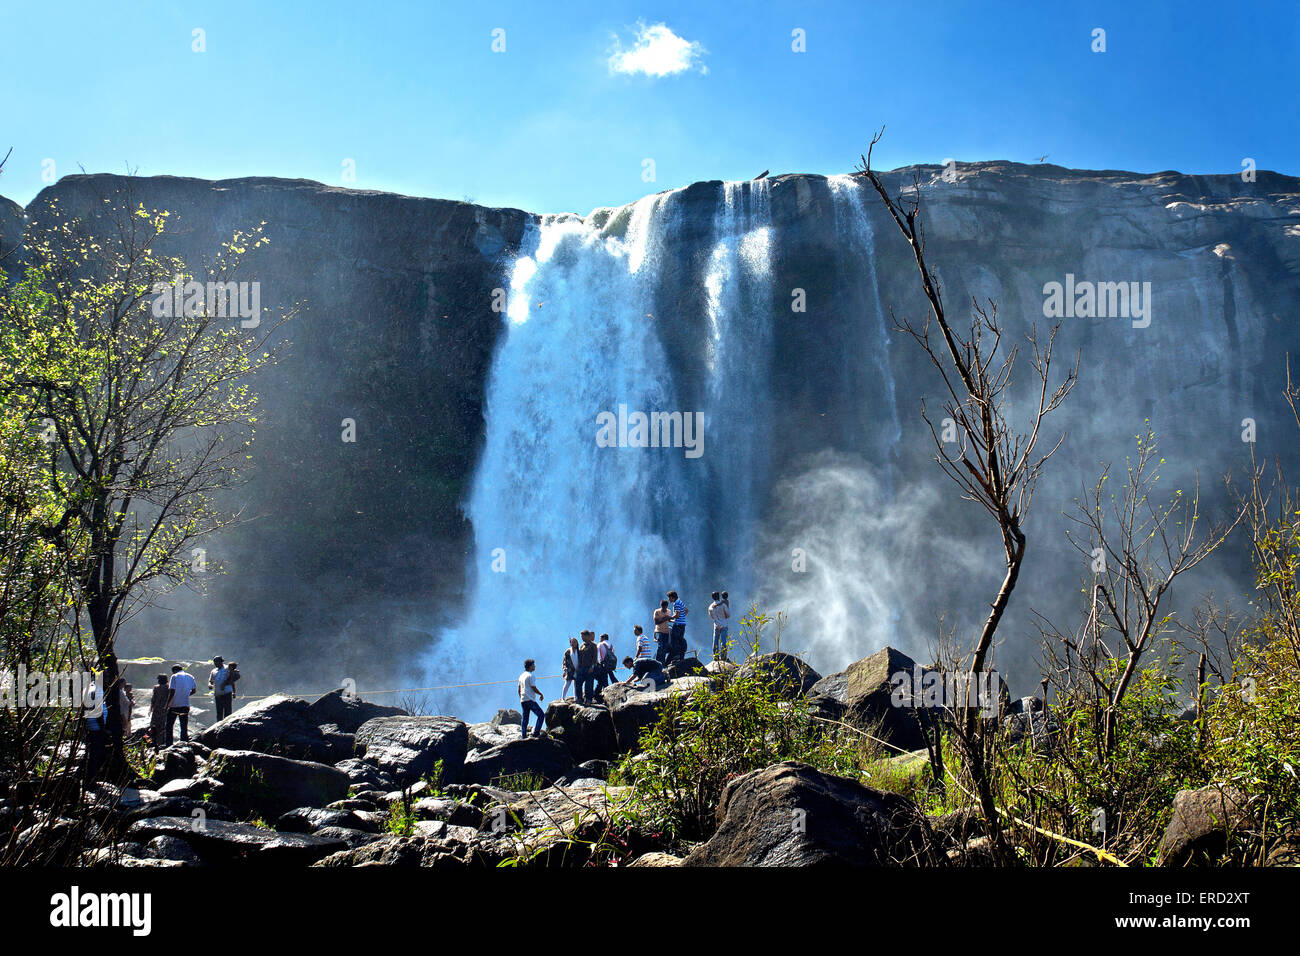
(677, 637)
(569, 668)
(587, 661)
(643, 668)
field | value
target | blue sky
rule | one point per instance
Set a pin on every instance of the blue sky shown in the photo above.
(414, 94)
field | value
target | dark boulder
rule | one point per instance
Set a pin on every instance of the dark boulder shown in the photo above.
(686, 667)
(789, 676)
(505, 717)
(864, 697)
(217, 841)
(1203, 826)
(277, 725)
(791, 814)
(365, 776)
(168, 847)
(348, 711)
(542, 758)
(311, 819)
(588, 732)
(352, 838)
(182, 759)
(268, 785)
(633, 710)
(406, 748)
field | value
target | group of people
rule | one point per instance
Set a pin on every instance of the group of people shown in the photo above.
(169, 704)
(589, 664)
(171, 699)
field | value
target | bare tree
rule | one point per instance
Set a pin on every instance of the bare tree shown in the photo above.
(993, 463)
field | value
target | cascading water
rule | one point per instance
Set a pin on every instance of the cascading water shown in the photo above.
(622, 309)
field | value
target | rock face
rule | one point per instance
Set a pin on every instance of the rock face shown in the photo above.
(406, 748)
(544, 758)
(269, 785)
(398, 333)
(1202, 826)
(588, 732)
(216, 841)
(791, 814)
(347, 711)
(277, 724)
(862, 696)
(790, 676)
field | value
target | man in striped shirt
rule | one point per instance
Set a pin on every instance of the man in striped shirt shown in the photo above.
(644, 646)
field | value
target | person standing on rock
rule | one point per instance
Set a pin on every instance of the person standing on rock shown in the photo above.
(607, 663)
(178, 702)
(663, 631)
(719, 615)
(529, 695)
(219, 684)
(158, 711)
(569, 668)
(677, 637)
(587, 661)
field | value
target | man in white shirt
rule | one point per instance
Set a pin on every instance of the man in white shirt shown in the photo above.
(180, 687)
(720, 614)
(529, 695)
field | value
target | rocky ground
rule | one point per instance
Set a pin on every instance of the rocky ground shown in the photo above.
(288, 782)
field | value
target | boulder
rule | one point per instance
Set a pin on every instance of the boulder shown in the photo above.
(633, 709)
(485, 735)
(790, 676)
(541, 757)
(311, 819)
(348, 711)
(716, 667)
(863, 694)
(458, 812)
(506, 717)
(1202, 826)
(412, 851)
(406, 748)
(686, 667)
(352, 838)
(165, 846)
(268, 785)
(656, 859)
(588, 732)
(217, 841)
(364, 775)
(182, 759)
(277, 725)
(791, 814)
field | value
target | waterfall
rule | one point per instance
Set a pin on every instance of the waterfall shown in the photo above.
(638, 310)
(838, 546)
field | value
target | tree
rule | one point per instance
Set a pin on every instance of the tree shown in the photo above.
(137, 375)
(993, 463)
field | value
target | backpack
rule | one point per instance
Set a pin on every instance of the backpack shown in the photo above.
(611, 657)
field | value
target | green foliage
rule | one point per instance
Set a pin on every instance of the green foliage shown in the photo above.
(1119, 798)
(1254, 740)
(704, 739)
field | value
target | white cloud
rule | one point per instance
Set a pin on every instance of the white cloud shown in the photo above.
(658, 52)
